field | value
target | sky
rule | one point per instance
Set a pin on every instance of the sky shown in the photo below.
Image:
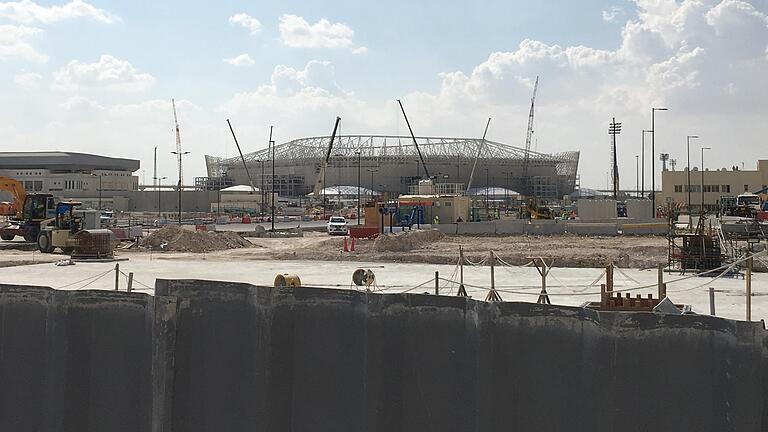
(98, 76)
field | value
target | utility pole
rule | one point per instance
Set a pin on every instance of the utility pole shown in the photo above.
(272, 198)
(702, 179)
(642, 164)
(359, 162)
(613, 130)
(637, 174)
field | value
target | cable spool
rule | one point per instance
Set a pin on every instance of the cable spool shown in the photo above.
(363, 277)
(287, 280)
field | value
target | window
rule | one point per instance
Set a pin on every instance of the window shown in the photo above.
(678, 188)
(725, 188)
(746, 188)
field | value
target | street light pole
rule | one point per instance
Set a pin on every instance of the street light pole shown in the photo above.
(702, 178)
(653, 158)
(372, 171)
(688, 153)
(359, 163)
(272, 195)
(642, 164)
(159, 203)
(180, 186)
(637, 174)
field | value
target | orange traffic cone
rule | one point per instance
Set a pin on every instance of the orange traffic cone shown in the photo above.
(346, 249)
(352, 247)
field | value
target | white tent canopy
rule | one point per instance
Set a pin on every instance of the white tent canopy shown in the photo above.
(344, 191)
(492, 191)
(241, 189)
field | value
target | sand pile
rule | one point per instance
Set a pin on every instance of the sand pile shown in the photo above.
(176, 239)
(406, 240)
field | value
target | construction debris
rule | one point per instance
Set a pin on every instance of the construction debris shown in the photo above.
(173, 238)
(406, 240)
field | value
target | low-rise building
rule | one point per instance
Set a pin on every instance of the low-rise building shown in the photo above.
(71, 175)
(715, 183)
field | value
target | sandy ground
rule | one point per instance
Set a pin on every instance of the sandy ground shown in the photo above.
(567, 250)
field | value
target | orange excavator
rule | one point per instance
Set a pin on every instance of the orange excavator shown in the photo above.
(16, 189)
(26, 211)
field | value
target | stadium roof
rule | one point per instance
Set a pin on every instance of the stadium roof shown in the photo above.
(65, 161)
(344, 190)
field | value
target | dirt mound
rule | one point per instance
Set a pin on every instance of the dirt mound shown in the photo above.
(406, 240)
(176, 239)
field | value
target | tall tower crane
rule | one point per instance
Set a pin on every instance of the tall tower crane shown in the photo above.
(178, 154)
(528, 137)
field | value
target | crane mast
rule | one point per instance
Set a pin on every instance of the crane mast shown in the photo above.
(320, 182)
(416, 144)
(528, 137)
(178, 144)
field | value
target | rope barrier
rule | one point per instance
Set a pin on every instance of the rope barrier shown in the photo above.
(83, 280)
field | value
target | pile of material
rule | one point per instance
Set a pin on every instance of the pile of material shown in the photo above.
(406, 240)
(176, 239)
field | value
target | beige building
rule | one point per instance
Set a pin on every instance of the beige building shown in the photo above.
(717, 183)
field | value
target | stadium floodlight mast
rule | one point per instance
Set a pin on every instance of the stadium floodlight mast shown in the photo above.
(653, 165)
(688, 186)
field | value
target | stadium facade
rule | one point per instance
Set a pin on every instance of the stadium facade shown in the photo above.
(391, 164)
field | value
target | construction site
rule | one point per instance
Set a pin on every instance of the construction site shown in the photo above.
(370, 282)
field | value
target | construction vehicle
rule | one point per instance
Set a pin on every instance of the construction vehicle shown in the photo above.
(320, 182)
(29, 211)
(532, 210)
(59, 231)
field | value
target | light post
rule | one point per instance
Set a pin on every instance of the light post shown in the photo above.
(642, 163)
(688, 153)
(159, 187)
(653, 162)
(637, 174)
(359, 163)
(180, 186)
(272, 195)
(372, 171)
(263, 191)
(702, 178)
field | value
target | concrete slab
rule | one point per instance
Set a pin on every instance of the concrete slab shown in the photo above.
(448, 229)
(567, 286)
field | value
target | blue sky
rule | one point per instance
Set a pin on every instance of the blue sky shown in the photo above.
(97, 76)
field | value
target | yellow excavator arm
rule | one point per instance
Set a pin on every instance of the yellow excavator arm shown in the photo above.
(17, 190)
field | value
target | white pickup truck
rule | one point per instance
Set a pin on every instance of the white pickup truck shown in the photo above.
(337, 225)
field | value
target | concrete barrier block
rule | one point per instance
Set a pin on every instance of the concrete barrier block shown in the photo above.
(547, 228)
(595, 229)
(447, 229)
(476, 228)
(511, 227)
(645, 229)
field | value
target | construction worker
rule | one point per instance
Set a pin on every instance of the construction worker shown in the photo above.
(436, 220)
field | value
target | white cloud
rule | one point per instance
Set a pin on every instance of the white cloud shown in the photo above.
(81, 104)
(28, 12)
(15, 44)
(109, 73)
(27, 80)
(241, 60)
(612, 14)
(246, 21)
(296, 32)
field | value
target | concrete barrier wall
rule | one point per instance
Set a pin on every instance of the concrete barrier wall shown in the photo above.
(545, 227)
(645, 228)
(596, 229)
(73, 361)
(448, 229)
(476, 228)
(346, 361)
(202, 356)
(593, 210)
(511, 227)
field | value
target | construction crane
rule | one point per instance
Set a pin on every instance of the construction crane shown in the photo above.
(479, 151)
(178, 154)
(421, 157)
(528, 137)
(320, 182)
(242, 158)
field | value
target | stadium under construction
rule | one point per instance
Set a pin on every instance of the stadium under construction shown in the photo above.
(391, 164)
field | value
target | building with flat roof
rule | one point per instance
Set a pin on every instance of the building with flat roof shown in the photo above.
(72, 175)
(716, 183)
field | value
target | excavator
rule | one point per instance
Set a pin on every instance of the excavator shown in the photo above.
(29, 211)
